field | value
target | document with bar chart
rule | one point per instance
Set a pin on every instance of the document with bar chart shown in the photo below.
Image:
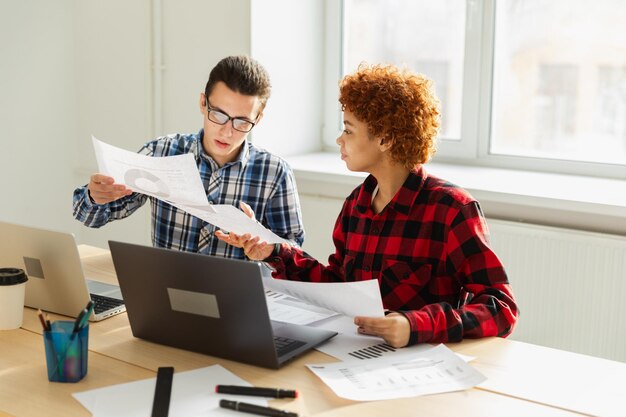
(433, 371)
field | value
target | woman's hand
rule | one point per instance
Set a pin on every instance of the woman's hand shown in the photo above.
(394, 328)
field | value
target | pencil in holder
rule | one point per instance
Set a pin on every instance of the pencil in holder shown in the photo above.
(66, 351)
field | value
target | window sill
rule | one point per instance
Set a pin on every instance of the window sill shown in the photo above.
(585, 203)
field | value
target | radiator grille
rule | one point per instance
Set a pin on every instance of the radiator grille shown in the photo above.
(570, 286)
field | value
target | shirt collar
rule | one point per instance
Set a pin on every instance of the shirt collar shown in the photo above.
(404, 198)
(242, 158)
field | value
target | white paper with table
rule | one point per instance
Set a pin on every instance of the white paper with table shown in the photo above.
(432, 371)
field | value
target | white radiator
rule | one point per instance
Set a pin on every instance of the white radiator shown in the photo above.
(570, 286)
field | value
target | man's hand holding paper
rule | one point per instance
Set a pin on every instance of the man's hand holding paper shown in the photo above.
(103, 189)
(172, 178)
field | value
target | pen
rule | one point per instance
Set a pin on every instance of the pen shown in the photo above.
(82, 317)
(256, 409)
(256, 391)
(90, 307)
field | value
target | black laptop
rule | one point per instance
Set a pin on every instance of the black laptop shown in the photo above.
(206, 304)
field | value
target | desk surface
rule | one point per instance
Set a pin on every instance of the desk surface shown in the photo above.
(522, 379)
(25, 390)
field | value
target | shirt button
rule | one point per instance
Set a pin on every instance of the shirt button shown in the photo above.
(375, 230)
(367, 269)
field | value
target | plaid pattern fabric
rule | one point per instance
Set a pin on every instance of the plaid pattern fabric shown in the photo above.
(256, 177)
(429, 251)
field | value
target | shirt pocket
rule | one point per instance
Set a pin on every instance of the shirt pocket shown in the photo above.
(397, 272)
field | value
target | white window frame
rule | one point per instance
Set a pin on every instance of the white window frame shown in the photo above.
(473, 147)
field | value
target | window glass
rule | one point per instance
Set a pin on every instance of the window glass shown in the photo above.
(424, 35)
(560, 80)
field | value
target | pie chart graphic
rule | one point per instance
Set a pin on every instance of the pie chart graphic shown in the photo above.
(146, 182)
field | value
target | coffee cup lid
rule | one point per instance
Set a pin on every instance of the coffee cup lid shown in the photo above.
(12, 276)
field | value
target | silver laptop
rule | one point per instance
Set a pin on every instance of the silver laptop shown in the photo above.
(206, 304)
(56, 282)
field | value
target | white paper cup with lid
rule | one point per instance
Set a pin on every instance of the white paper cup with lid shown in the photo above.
(12, 290)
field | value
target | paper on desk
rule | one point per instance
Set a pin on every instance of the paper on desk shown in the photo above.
(170, 178)
(193, 394)
(433, 371)
(359, 298)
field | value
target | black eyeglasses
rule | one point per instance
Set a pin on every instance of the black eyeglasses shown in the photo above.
(221, 118)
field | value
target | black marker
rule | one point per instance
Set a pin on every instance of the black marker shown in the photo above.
(256, 391)
(256, 409)
(162, 391)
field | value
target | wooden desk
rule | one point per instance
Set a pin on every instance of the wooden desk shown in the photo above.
(549, 376)
(24, 386)
(522, 380)
(117, 346)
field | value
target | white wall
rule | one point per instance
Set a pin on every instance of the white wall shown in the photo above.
(196, 35)
(37, 112)
(112, 51)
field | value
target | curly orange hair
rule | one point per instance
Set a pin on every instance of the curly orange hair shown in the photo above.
(398, 106)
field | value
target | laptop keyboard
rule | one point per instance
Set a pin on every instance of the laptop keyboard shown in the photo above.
(285, 345)
(103, 303)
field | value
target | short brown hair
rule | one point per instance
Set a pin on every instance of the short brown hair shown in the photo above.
(243, 75)
(398, 106)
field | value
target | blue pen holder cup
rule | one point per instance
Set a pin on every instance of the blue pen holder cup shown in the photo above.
(66, 352)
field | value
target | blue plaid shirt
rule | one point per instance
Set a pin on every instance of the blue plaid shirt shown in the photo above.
(256, 177)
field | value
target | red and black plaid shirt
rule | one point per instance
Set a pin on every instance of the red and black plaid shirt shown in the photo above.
(429, 251)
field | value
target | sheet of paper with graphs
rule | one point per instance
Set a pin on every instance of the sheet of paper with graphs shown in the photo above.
(175, 180)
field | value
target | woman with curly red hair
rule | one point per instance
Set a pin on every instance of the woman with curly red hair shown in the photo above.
(424, 239)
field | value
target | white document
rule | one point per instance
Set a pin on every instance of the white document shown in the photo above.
(433, 371)
(193, 394)
(175, 180)
(359, 298)
(232, 219)
(287, 309)
(170, 178)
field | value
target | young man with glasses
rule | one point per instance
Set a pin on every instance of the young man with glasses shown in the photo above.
(232, 169)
